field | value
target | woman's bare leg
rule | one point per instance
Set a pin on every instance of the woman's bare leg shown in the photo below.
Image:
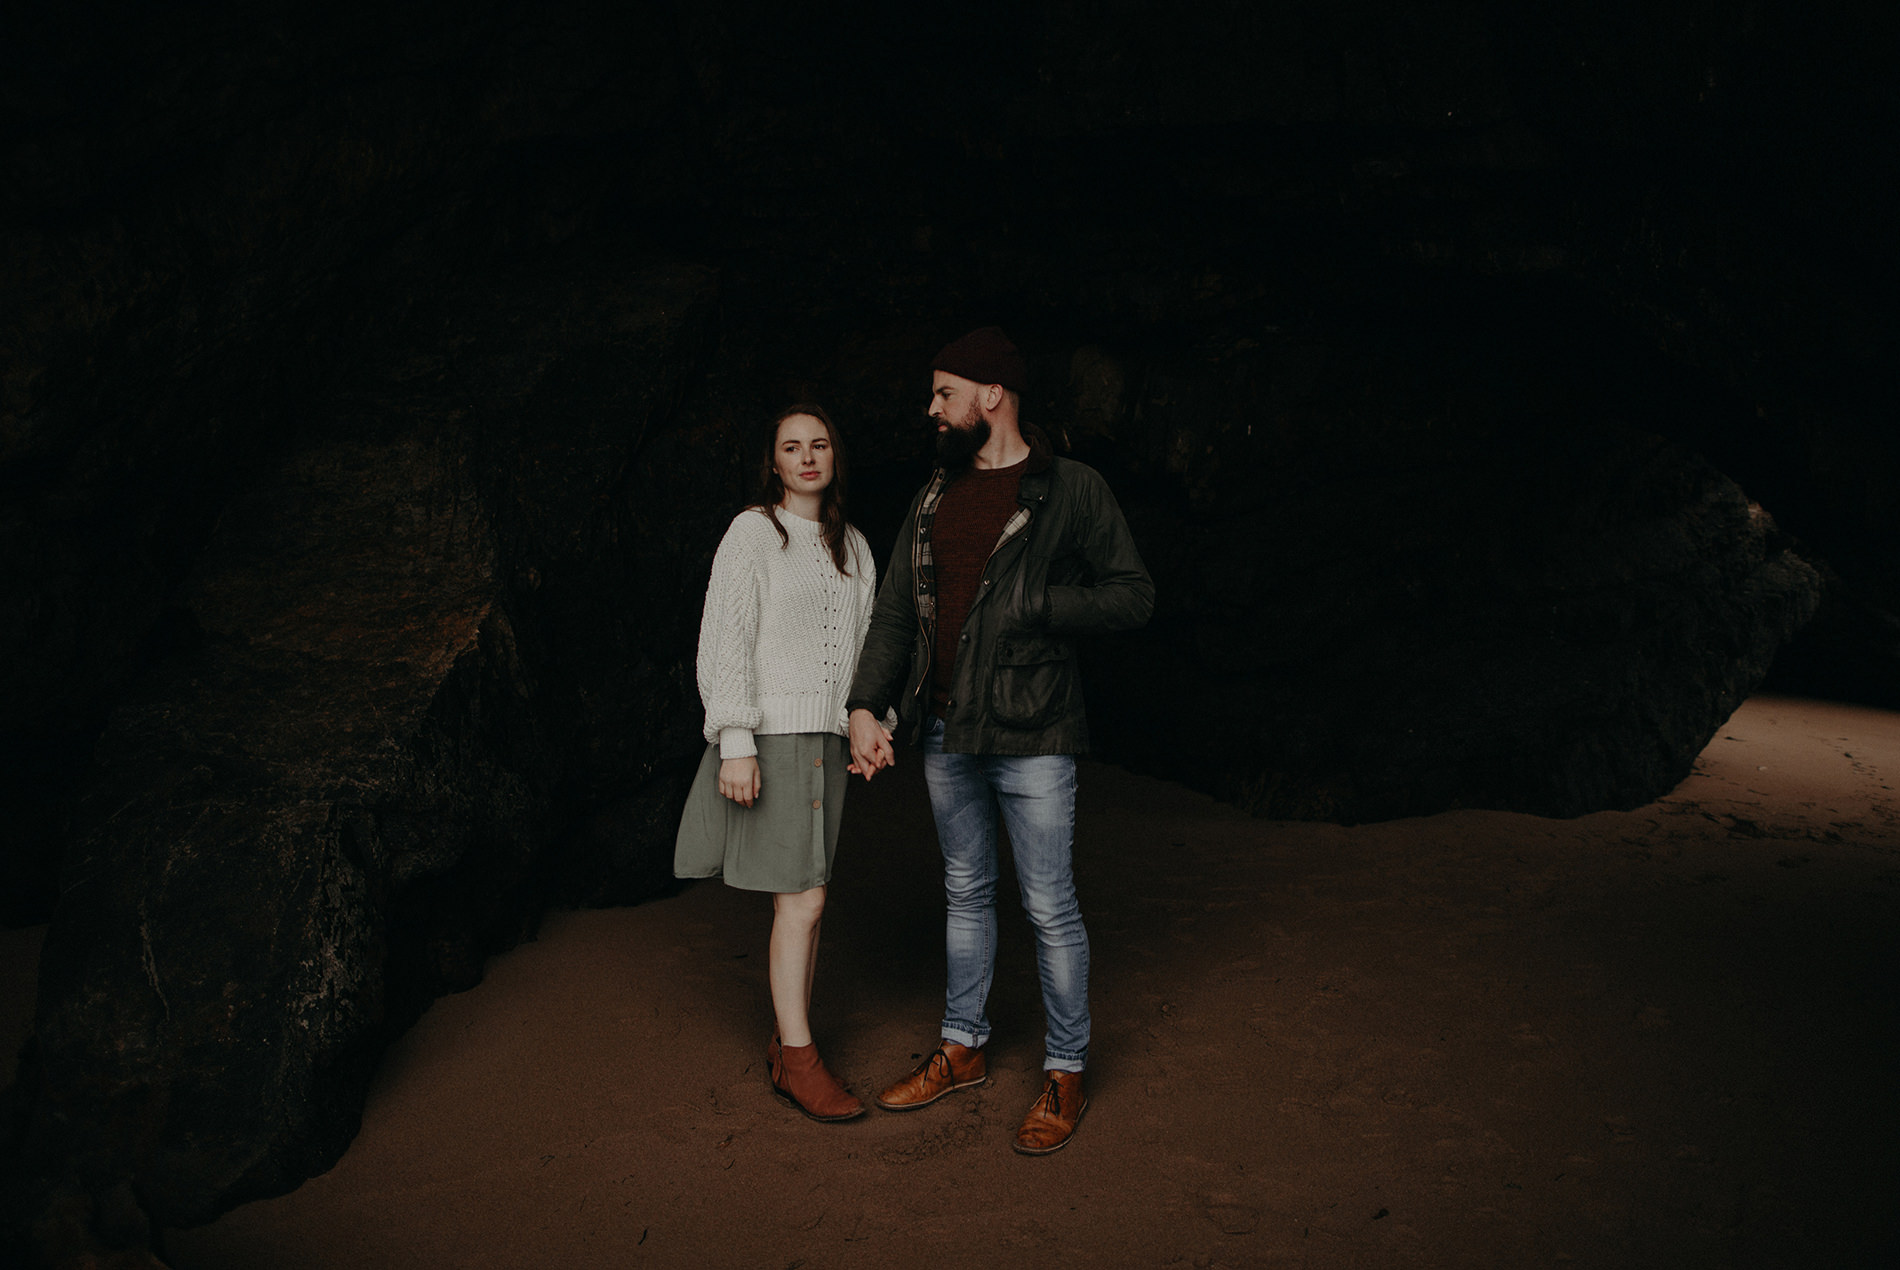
(792, 958)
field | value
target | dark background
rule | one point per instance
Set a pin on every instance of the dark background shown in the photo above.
(1494, 390)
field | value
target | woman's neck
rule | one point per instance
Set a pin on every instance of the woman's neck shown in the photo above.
(803, 506)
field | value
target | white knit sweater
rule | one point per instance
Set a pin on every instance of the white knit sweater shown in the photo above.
(780, 634)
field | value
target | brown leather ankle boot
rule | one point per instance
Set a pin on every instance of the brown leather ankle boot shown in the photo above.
(799, 1077)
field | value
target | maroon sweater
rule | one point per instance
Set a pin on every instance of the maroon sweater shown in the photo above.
(970, 518)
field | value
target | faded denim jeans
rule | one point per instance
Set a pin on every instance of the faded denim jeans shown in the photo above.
(1036, 796)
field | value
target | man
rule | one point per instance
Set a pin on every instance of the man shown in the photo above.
(1007, 555)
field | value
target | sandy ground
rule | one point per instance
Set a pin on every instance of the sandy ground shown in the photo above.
(1665, 1037)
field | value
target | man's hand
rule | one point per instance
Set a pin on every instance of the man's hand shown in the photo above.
(739, 779)
(870, 744)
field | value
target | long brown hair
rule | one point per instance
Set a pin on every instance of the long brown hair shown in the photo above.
(831, 502)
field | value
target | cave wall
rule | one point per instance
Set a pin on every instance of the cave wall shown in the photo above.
(1494, 393)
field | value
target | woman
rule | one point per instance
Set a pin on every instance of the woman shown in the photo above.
(786, 612)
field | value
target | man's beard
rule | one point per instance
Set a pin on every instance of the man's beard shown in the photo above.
(957, 447)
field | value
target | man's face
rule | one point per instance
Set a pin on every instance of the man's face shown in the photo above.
(954, 400)
(961, 428)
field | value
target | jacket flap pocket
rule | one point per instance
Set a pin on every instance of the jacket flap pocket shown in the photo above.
(1030, 652)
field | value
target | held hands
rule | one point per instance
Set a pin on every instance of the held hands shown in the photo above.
(870, 744)
(739, 779)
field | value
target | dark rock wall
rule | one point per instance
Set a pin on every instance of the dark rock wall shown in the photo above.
(340, 789)
(1494, 391)
(1427, 603)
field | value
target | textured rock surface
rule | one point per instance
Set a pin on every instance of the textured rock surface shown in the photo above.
(375, 387)
(215, 978)
(338, 793)
(1420, 608)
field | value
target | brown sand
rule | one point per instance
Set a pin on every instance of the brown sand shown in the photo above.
(1655, 1038)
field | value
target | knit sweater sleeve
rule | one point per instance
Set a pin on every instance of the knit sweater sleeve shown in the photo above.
(727, 667)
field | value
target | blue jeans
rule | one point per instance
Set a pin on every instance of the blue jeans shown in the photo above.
(1036, 795)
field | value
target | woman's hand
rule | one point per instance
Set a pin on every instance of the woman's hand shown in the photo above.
(870, 744)
(739, 780)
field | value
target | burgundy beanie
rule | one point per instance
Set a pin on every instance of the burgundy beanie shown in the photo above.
(986, 356)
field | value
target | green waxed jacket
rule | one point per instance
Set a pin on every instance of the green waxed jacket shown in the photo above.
(1064, 566)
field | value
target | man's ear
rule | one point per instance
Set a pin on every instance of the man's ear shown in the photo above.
(992, 396)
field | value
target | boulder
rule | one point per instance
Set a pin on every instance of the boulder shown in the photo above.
(339, 793)
(1459, 617)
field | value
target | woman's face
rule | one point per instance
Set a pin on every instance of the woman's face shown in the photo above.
(803, 454)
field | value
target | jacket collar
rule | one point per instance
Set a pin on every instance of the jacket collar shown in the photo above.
(1041, 453)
